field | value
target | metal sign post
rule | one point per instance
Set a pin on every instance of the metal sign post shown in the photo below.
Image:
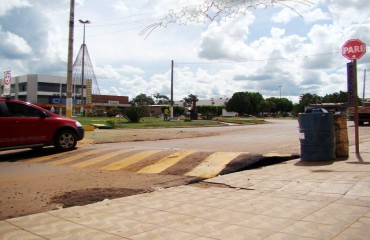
(353, 49)
(355, 105)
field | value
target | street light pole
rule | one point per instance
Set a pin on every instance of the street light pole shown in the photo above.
(280, 91)
(83, 68)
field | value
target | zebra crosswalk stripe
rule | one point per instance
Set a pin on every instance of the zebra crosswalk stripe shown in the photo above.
(75, 157)
(99, 159)
(213, 164)
(129, 160)
(166, 162)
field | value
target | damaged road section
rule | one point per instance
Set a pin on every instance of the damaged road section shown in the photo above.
(252, 161)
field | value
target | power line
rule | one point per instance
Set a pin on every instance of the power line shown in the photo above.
(257, 60)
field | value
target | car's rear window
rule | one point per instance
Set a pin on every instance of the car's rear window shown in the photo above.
(21, 110)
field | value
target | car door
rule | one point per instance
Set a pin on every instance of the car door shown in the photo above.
(23, 125)
(4, 125)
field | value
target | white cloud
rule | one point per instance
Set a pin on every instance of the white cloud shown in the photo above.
(344, 12)
(14, 45)
(284, 16)
(107, 72)
(315, 15)
(126, 69)
(277, 32)
(120, 7)
(7, 5)
(226, 40)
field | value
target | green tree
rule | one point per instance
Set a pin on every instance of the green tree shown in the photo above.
(255, 100)
(307, 99)
(245, 102)
(142, 100)
(340, 97)
(161, 99)
(191, 100)
(284, 105)
(267, 106)
(238, 103)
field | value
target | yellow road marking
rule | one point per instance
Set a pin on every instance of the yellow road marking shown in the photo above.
(213, 165)
(130, 160)
(99, 159)
(74, 157)
(165, 162)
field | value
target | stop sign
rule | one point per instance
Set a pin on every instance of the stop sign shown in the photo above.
(354, 49)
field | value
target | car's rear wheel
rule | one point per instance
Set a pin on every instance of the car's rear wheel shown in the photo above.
(65, 140)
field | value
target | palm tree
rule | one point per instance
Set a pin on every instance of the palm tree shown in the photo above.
(192, 101)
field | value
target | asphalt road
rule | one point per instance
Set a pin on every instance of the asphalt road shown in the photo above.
(280, 136)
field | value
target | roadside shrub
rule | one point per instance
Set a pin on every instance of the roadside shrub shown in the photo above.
(208, 112)
(178, 111)
(111, 123)
(134, 114)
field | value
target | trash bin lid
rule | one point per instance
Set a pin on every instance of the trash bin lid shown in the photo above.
(316, 110)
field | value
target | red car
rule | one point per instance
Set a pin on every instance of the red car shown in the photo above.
(25, 125)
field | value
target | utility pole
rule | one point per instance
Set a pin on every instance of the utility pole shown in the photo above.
(83, 69)
(69, 105)
(280, 91)
(171, 107)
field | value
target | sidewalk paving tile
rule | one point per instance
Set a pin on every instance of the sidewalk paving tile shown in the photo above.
(331, 218)
(9, 231)
(161, 218)
(164, 234)
(313, 230)
(266, 222)
(240, 233)
(47, 226)
(197, 225)
(353, 233)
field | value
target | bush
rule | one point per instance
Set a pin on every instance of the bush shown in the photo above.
(208, 112)
(134, 114)
(111, 123)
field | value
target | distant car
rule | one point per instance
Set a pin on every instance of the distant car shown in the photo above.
(25, 125)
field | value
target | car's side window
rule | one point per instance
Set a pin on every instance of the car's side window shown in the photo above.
(21, 110)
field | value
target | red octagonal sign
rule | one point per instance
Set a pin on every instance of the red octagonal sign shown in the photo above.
(354, 49)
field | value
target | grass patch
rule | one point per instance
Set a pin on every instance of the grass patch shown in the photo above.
(241, 120)
(152, 122)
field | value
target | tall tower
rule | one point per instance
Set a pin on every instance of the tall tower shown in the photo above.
(83, 68)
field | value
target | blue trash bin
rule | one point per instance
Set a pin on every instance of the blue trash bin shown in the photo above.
(317, 136)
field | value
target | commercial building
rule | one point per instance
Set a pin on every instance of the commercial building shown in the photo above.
(51, 91)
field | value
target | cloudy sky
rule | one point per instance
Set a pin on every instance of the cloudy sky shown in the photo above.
(218, 49)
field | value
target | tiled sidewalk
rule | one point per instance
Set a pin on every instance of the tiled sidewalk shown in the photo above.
(292, 200)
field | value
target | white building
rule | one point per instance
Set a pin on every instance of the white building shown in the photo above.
(36, 88)
(207, 102)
